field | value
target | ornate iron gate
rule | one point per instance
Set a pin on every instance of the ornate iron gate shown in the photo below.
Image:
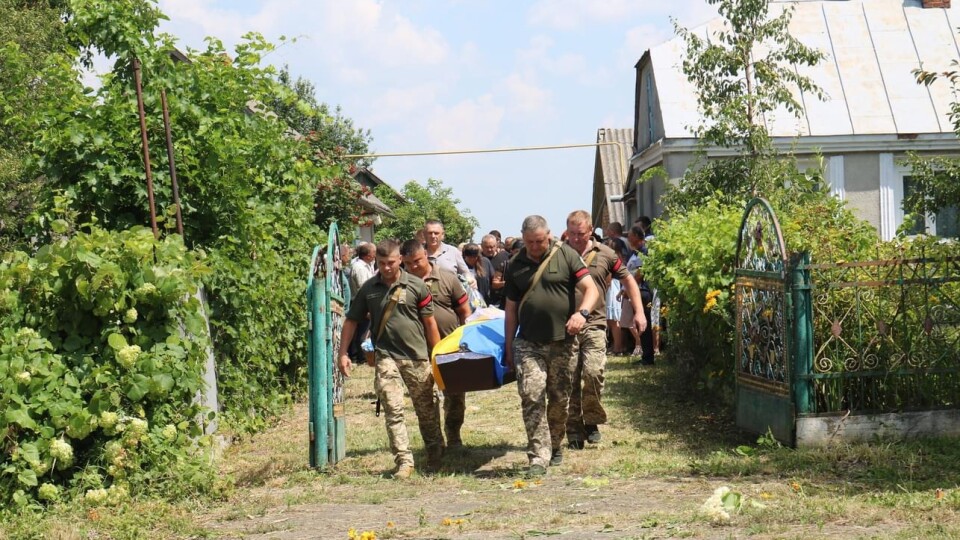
(328, 297)
(771, 328)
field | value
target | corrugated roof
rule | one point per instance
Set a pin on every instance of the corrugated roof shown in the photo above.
(613, 161)
(871, 46)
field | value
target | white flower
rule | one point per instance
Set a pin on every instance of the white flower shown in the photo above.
(23, 377)
(169, 432)
(116, 494)
(27, 333)
(137, 429)
(61, 450)
(128, 355)
(713, 507)
(130, 316)
(48, 492)
(108, 419)
(95, 496)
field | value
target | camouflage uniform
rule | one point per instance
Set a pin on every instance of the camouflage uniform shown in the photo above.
(543, 381)
(417, 375)
(542, 351)
(591, 347)
(401, 359)
(587, 382)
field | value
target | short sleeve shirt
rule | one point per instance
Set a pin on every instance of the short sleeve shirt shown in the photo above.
(604, 264)
(447, 294)
(449, 258)
(635, 263)
(403, 336)
(544, 315)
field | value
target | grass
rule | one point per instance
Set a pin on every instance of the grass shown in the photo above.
(663, 453)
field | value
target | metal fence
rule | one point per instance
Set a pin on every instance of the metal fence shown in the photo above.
(886, 335)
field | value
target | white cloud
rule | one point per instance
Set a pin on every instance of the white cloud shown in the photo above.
(471, 123)
(398, 103)
(525, 96)
(640, 38)
(570, 14)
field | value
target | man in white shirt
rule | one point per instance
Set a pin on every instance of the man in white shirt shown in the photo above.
(361, 269)
(442, 254)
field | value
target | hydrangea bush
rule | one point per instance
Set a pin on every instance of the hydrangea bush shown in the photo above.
(102, 344)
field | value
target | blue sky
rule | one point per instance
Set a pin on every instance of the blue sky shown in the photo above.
(426, 75)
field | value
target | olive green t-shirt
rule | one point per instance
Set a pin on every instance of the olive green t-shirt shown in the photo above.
(544, 316)
(447, 294)
(604, 265)
(403, 336)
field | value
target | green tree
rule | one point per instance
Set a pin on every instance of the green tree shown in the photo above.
(333, 132)
(745, 71)
(433, 201)
(33, 54)
(247, 187)
(936, 180)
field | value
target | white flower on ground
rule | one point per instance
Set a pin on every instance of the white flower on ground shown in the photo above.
(714, 508)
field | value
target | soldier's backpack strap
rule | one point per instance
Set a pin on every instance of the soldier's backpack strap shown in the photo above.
(536, 277)
(589, 259)
(400, 290)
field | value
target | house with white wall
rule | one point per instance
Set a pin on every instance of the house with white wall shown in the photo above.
(873, 114)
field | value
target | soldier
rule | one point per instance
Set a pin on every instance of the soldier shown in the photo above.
(541, 282)
(450, 309)
(404, 332)
(585, 410)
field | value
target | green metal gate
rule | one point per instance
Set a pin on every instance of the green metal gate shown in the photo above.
(773, 327)
(328, 297)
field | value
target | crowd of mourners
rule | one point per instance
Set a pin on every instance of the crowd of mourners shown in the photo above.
(568, 301)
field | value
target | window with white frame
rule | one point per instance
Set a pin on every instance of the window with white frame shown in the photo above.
(896, 182)
(832, 172)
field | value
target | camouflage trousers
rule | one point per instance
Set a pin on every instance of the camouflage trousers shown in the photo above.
(585, 408)
(454, 408)
(391, 376)
(543, 381)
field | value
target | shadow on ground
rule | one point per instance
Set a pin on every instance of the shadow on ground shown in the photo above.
(656, 400)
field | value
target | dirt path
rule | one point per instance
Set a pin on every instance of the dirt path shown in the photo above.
(641, 481)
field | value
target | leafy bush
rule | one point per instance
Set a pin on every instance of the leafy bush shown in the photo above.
(695, 275)
(103, 344)
(689, 270)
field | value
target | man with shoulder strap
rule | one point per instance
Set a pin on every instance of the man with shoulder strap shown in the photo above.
(404, 332)
(541, 285)
(451, 309)
(585, 410)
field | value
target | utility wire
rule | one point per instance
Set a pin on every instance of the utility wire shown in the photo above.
(478, 151)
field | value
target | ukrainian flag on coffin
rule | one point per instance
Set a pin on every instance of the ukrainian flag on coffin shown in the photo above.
(471, 358)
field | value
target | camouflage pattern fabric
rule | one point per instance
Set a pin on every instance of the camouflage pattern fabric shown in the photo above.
(388, 383)
(454, 407)
(543, 381)
(587, 382)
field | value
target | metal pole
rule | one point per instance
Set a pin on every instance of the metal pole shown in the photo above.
(146, 146)
(803, 334)
(171, 161)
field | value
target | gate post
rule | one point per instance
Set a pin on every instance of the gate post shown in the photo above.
(802, 318)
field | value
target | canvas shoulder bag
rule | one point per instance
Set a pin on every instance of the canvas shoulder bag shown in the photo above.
(536, 277)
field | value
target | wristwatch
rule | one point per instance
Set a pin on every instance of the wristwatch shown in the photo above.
(584, 313)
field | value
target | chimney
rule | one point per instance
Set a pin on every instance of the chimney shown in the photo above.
(943, 4)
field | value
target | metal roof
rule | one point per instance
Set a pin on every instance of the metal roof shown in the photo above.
(612, 164)
(871, 46)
